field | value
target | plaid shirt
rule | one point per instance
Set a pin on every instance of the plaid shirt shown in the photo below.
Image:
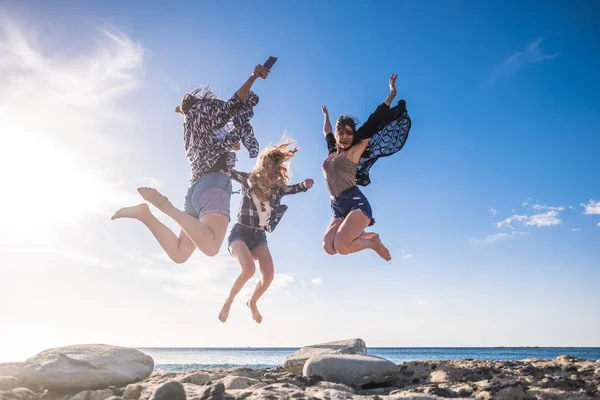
(202, 146)
(248, 215)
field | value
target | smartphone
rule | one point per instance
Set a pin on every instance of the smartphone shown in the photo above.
(269, 63)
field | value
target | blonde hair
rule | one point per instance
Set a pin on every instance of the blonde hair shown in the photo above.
(270, 174)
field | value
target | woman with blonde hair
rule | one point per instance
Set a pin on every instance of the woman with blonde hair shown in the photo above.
(260, 212)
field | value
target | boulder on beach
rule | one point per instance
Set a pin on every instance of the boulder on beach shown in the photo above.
(354, 370)
(295, 362)
(80, 367)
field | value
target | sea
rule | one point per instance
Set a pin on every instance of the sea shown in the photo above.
(179, 359)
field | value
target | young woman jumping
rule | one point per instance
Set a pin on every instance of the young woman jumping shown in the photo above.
(260, 212)
(351, 210)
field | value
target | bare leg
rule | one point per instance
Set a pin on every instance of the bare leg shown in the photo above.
(242, 254)
(179, 249)
(207, 233)
(348, 238)
(329, 238)
(267, 271)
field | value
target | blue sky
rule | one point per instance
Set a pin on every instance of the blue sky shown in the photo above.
(490, 211)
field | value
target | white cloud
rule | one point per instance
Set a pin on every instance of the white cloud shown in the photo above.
(519, 60)
(498, 236)
(60, 123)
(545, 207)
(407, 256)
(492, 238)
(549, 218)
(507, 223)
(576, 229)
(493, 211)
(598, 224)
(592, 207)
(317, 281)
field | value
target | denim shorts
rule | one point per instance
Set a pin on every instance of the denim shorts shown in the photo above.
(350, 200)
(252, 237)
(209, 194)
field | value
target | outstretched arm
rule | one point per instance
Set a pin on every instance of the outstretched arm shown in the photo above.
(241, 177)
(369, 128)
(299, 187)
(328, 131)
(259, 72)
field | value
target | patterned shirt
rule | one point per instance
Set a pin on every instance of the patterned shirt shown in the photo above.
(248, 215)
(207, 136)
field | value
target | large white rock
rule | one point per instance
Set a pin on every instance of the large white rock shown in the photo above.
(295, 362)
(352, 369)
(81, 367)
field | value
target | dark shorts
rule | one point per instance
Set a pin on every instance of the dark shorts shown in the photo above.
(350, 200)
(209, 194)
(252, 237)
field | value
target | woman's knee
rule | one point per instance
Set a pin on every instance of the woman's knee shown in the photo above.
(248, 271)
(329, 249)
(342, 246)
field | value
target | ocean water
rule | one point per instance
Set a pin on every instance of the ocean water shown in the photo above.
(202, 358)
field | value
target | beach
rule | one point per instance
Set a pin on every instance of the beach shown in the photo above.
(335, 370)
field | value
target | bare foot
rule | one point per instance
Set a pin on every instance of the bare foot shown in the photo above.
(137, 212)
(255, 314)
(381, 249)
(369, 235)
(154, 197)
(224, 314)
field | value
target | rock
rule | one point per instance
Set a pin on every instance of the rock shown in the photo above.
(197, 378)
(18, 394)
(133, 391)
(329, 394)
(413, 372)
(510, 393)
(333, 386)
(276, 391)
(553, 394)
(10, 369)
(93, 395)
(237, 382)
(295, 362)
(9, 383)
(170, 391)
(81, 367)
(445, 373)
(352, 369)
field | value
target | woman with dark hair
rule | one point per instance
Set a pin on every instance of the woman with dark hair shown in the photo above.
(211, 129)
(351, 155)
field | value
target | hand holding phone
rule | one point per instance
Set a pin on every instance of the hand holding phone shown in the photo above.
(270, 61)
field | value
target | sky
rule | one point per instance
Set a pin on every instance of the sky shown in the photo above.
(491, 211)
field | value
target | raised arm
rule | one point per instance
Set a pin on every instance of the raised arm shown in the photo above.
(369, 128)
(328, 131)
(327, 123)
(259, 72)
